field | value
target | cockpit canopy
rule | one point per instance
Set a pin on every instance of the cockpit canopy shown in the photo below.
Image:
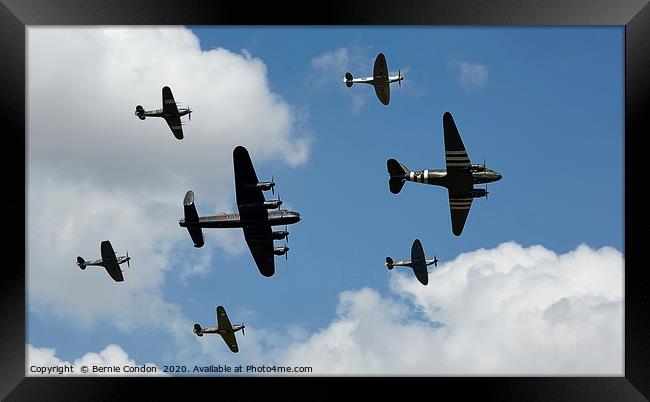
(477, 167)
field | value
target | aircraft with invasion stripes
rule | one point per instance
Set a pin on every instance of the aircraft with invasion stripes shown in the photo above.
(459, 177)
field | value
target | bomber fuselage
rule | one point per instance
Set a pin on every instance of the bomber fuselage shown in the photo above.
(439, 177)
(233, 220)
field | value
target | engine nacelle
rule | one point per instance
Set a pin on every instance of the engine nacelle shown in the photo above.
(264, 186)
(280, 250)
(478, 193)
(279, 235)
(273, 204)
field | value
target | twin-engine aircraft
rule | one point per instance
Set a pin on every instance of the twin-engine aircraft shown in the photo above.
(254, 215)
(380, 79)
(108, 261)
(459, 177)
(223, 328)
(418, 262)
(170, 112)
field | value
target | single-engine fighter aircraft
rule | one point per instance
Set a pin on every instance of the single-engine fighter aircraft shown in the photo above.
(380, 79)
(223, 328)
(418, 262)
(253, 215)
(108, 261)
(170, 112)
(459, 177)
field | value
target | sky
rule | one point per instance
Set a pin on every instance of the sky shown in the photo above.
(533, 286)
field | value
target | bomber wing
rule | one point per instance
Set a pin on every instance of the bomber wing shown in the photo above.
(458, 171)
(459, 203)
(260, 243)
(250, 202)
(224, 323)
(456, 157)
(110, 262)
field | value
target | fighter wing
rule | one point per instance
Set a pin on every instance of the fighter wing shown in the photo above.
(114, 271)
(169, 104)
(222, 319)
(224, 323)
(175, 125)
(260, 243)
(418, 262)
(459, 203)
(231, 341)
(383, 93)
(110, 262)
(458, 164)
(108, 254)
(380, 72)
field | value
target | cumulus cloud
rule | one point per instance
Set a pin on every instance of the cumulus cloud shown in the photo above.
(39, 359)
(96, 172)
(510, 310)
(472, 75)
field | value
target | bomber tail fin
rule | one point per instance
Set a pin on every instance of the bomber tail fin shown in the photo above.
(197, 329)
(397, 172)
(192, 217)
(389, 262)
(81, 262)
(348, 80)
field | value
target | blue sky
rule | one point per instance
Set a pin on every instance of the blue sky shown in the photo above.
(544, 107)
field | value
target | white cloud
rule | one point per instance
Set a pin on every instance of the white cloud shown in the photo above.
(504, 311)
(96, 172)
(84, 84)
(44, 362)
(472, 75)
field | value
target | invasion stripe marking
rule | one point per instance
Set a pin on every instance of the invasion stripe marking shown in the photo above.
(463, 208)
(426, 176)
(457, 158)
(457, 152)
(412, 176)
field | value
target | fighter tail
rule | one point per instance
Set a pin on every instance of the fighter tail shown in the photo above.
(191, 218)
(139, 111)
(348, 79)
(397, 173)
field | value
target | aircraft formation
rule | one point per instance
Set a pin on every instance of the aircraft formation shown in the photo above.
(257, 216)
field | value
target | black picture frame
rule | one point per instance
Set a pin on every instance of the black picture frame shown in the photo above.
(16, 15)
